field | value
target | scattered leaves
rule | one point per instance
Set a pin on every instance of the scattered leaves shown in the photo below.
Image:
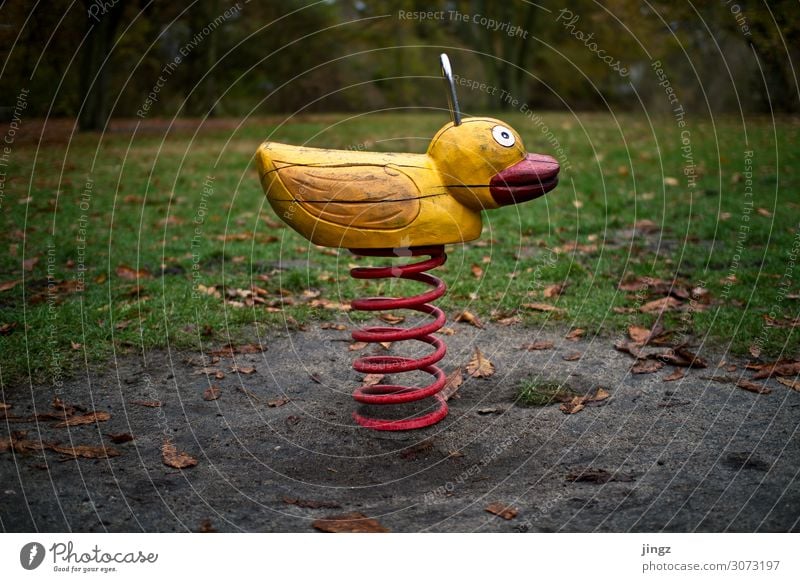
(502, 510)
(552, 291)
(575, 334)
(477, 271)
(578, 403)
(793, 384)
(572, 356)
(277, 402)
(243, 370)
(148, 403)
(85, 451)
(543, 307)
(171, 457)
(391, 318)
(353, 522)
(131, 274)
(779, 368)
(120, 437)
(646, 366)
(355, 346)
(752, 387)
(661, 305)
(6, 285)
(372, 379)
(479, 365)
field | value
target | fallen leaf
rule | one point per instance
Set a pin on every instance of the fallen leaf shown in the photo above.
(120, 437)
(677, 374)
(126, 272)
(391, 318)
(213, 392)
(511, 320)
(670, 181)
(793, 384)
(572, 356)
(372, 379)
(469, 317)
(780, 368)
(355, 346)
(477, 271)
(230, 350)
(354, 522)
(638, 334)
(412, 452)
(752, 387)
(446, 331)
(147, 403)
(453, 383)
(578, 403)
(246, 370)
(537, 346)
(646, 366)
(172, 458)
(575, 334)
(542, 307)
(206, 527)
(646, 226)
(277, 402)
(764, 212)
(92, 417)
(479, 366)
(309, 504)
(336, 326)
(385, 345)
(554, 290)
(502, 510)
(29, 264)
(75, 346)
(488, 410)
(6, 285)
(7, 328)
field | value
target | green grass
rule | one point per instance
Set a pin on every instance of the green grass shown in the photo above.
(535, 393)
(147, 202)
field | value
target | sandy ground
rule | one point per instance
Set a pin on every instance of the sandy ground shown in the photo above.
(687, 455)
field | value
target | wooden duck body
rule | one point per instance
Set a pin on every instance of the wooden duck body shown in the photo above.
(355, 199)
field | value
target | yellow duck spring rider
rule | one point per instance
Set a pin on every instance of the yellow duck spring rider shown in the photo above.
(401, 204)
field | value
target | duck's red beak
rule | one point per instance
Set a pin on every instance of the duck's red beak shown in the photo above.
(534, 176)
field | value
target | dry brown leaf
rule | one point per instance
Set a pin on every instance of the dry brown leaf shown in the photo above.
(245, 370)
(502, 510)
(479, 365)
(572, 356)
(277, 402)
(780, 368)
(542, 307)
(372, 379)
(477, 271)
(670, 181)
(469, 317)
(391, 318)
(206, 527)
(336, 326)
(131, 274)
(646, 366)
(92, 417)
(752, 387)
(764, 212)
(453, 383)
(575, 334)
(554, 290)
(638, 334)
(385, 345)
(793, 384)
(353, 522)
(511, 320)
(537, 346)
(6, 285)
(446, 331)
(172, 458)
(677, 374)
(355, 346)
(573, 406)
(213, 392)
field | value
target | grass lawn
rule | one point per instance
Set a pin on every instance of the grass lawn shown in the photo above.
(177, 232)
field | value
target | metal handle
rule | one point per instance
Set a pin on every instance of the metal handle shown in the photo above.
(452, 100)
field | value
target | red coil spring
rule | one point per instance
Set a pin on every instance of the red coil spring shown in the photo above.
(392, 393)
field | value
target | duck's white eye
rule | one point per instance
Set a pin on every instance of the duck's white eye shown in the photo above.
(503, 136)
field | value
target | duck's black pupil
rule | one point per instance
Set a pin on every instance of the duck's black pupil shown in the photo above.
(505, 134)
